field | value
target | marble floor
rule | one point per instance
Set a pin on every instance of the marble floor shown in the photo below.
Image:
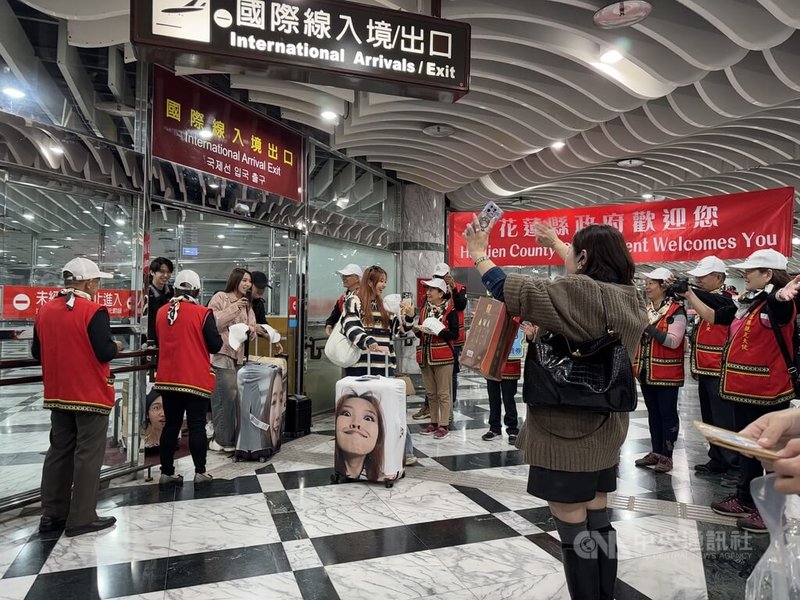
(460, 526)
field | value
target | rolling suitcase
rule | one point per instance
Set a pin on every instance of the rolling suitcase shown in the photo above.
(298, 415)
(370, 426)
(262, 408)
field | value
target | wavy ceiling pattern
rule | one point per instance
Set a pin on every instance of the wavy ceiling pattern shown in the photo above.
(707, 94)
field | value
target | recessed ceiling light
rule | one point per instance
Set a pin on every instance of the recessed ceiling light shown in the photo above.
(120, 233)
(205, 134)
(328, 115)
(99, 207)
(314, 222)
(611, 56)
(120, 221)
(285, 236)
(647, 196)
(87, 212)
(170, 229)
(28, 216)
(277, 245)
(230, 247)
(68, 238)
(221, 236)
(13, 93)
(213, 186)
(14, 221)
(557, 145)
(796, 241)
(127, 242)
(630, 163)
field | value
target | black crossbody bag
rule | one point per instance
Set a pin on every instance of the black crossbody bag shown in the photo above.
(595, 375)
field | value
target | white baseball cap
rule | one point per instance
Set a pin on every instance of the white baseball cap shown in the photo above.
(83, 269)
(350, 269)
(764, 259)
(441, 270)
(710, 264)
(439, 284)
(659, 273)
(187, 280)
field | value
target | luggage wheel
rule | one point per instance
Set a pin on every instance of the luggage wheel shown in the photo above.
(262, 459)
(388, 484)
(236, 459)
(335, 478)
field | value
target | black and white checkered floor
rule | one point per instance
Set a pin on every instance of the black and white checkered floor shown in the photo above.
(459, 526)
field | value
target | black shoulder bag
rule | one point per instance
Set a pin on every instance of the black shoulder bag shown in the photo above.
(595, 375)
(791, 366)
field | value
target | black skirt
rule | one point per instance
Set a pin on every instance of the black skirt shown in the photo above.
(568, 487)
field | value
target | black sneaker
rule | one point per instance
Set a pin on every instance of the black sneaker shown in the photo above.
(709, 468)
(490, 435)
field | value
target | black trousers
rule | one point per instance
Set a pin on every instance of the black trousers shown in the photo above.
(456, 369)
(750, 468)
(501, 395)
(71, 471)
(662, 416)
(718, 412)
(175, 405)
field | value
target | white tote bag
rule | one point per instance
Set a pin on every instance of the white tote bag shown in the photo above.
(340, 350)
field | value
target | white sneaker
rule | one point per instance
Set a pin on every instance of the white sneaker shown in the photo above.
(229, 448)
(213, 445)
(210, 430)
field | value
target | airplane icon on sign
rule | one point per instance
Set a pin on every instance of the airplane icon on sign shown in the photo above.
(182, 19)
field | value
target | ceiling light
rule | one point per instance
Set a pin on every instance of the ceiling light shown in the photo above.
(120, 233)
(796, 241)
(277, 245)
(170, 229)
(87, 212)
(647, 196)
(205, 134)
(120, 221)
(99, 207)
(557, 145)
(630, 163)
(221, 236)
(13, 93)
(106, 224)
(328, 115)
(229, 247)
(610, 57)
(285, 236)
(213, 186)
(314, 222)
(28, 216)
(379, 244)
(56, 150)
(68, 238)
(623, 13)
(439, 131)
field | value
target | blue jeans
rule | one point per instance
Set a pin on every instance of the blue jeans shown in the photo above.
(409, 443)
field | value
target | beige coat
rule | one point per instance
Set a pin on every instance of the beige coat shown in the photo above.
(226, 313)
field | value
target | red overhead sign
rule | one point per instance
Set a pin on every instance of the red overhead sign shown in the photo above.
(730, 226)
(23, 302)
(203, 130)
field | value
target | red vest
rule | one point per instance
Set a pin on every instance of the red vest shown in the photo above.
(663, 366)
(436, 350)
(707, 346)
(512, 369)
(753, 368)
(73, 377)
(183, 361)
(462, 333)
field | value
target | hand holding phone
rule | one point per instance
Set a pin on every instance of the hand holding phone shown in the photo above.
(490, 213)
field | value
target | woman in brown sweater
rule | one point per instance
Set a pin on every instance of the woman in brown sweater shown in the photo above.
(573, 454)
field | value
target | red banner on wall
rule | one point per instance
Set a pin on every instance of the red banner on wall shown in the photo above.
(730, 226)
(24, 302)
(197, 128)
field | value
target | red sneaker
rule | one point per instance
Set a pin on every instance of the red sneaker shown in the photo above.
(429, 430)
(753, 523)
(441, 433)
(731, 506)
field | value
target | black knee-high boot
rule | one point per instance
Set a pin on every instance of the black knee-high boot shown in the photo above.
(579, 555)
(600, 525)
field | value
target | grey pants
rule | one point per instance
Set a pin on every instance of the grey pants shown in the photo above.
(71, 471)
(225, 407)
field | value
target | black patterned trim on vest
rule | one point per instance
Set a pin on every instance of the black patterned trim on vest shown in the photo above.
(77, 407)
(184, 389)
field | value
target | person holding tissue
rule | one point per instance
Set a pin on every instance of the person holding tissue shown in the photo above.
(436, 355)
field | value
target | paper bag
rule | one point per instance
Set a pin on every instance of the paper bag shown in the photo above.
(489, 339)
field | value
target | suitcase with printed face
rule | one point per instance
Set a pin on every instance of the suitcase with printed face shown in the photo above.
(262, 408)
(370, 426)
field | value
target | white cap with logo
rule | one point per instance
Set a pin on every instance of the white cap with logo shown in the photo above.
(439, 284)
(83, 269)
(764, 259)
(660, 273)
(351, 269)
(441, 270)
(187, 280)
(710, 264)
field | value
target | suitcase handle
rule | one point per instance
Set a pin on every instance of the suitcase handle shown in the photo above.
(369, 364)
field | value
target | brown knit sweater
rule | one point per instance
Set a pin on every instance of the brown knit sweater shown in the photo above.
(569, 439)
